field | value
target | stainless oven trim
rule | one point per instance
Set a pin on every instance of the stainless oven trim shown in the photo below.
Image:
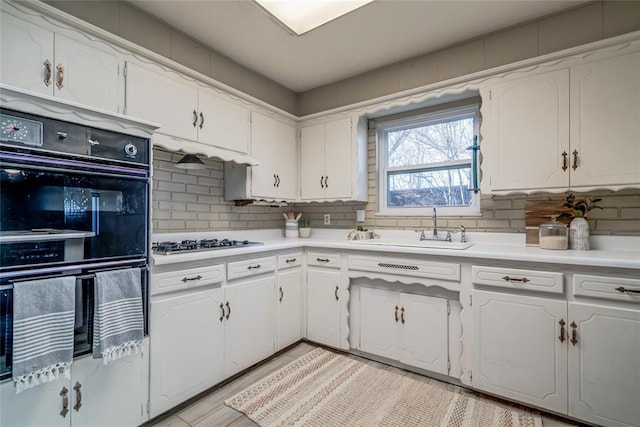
(74, 267)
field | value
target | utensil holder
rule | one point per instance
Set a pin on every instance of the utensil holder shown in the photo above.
(291, 228)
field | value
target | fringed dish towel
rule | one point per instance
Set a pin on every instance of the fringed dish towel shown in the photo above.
(43, 321)
(118, 322)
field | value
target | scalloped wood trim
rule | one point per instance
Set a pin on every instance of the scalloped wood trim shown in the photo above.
(191, 147)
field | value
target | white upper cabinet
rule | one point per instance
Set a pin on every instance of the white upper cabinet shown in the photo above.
(605, 123)
(83, 72)
(331, 165)
(572, 128)
(273, 144)
(186, 110)
(524, 133)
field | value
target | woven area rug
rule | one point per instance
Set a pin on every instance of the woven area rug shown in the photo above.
(323, 388)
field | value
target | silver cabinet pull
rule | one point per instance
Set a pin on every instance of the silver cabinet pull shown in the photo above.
(93, 142)
(47, 73)
(515, 279)
(624, 290)
(60, 69)
(195, 118)
(222, 311)
(65, 402)
(62, 135)
(191, 279)
(78, 404)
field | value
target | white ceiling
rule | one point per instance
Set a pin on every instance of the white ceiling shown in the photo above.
(375, 35)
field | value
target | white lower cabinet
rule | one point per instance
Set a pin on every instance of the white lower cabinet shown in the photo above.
(96, 395)
(289, 300)
(573, 358)
(249, 323)
(604, 364)
(323, 306)
(412, 329)
(187, 332)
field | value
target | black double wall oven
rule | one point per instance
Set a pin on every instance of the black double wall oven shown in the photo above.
(74, 200)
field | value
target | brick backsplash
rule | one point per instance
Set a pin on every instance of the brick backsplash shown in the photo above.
(193, 200)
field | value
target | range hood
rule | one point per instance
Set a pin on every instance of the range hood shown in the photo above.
(191, 147)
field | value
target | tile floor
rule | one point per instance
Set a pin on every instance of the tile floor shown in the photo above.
(210, 411)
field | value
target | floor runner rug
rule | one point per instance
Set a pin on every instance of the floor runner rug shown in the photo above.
(323, 388)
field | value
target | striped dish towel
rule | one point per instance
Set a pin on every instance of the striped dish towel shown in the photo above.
(43, 321)
(118, 322)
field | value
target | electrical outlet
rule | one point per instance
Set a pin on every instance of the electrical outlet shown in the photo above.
(327, 219)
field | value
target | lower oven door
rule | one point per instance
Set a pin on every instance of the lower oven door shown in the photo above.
(55, 211)
(84, 307)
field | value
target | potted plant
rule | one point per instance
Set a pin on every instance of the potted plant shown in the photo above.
(363, 233)
(579, 227)
(304, 226)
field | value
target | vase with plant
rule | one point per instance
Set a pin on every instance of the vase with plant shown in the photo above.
(579, 227)
(304, 226)
(363, 233)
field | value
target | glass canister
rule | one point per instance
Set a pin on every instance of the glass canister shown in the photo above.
(553, 235)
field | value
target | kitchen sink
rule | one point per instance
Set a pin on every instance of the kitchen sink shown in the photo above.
(431, 244)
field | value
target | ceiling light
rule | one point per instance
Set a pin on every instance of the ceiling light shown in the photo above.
(190, 161)
(301, 16)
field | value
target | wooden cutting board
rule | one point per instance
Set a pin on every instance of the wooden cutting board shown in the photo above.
(538, 212)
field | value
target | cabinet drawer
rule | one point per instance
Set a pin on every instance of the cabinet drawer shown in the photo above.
(289, 260)
(406, 267)
(186, 279)
(323, 259)
(531, 280)
(614, 288)
(250, 267)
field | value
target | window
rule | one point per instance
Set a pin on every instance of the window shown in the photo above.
(429, 160)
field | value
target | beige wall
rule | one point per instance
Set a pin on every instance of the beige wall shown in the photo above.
(591, 22)
(134, 25)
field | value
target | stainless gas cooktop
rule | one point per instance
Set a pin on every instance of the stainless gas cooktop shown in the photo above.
(168, 248)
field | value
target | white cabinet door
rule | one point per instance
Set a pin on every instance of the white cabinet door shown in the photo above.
(287, 161)
(38, 406)
(379, 322)
(527, 130)
(250, 326)
(337, 159)
(263, 147)
(323, 306)
(186, 347)
(517, 353)
(163, 98)
(223, 123)
(604, 365)
(111, 395)
(24, 50)
(424, 332)
(312, 162)
(605, 112)
(289, 305)
(86, 74)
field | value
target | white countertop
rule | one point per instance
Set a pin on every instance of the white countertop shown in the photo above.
(608, 251)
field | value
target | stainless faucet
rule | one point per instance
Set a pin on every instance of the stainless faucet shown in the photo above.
(435, 224)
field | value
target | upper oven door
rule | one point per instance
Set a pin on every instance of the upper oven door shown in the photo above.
(55, 211)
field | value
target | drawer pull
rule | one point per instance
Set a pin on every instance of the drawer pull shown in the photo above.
(402, 315)
(290, 260)
(322, 259)
(398, 266)
(515, 279)
(396, 314)
(336, 293)
(574, 333)
(624, 290)
(561, 323)
(228, 310)
(222, 311)
(191, 279)
(281, 294)
(254, 267)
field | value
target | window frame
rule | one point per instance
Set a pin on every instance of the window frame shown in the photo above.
(425, 119)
